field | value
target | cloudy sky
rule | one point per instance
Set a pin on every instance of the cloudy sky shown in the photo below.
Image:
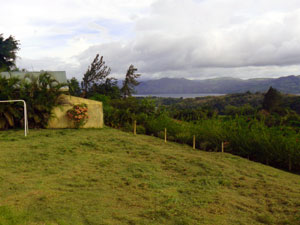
(194, 39)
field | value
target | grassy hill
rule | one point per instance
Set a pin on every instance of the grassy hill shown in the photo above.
(110, 177)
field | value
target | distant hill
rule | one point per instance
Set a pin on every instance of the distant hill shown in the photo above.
(288, 84)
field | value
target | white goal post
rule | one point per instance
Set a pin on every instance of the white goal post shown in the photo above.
(25, 114)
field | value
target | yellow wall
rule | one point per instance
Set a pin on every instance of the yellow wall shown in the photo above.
(60, 120)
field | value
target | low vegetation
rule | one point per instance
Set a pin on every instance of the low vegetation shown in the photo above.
(270, 135)
(41, 94)
(107, 176)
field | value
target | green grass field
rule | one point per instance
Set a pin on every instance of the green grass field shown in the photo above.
(110, 177)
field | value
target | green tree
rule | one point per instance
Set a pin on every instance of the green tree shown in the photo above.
(130, 82)
(8, 49)
(96, 74)
(231, 110)
(272, 100)
(109, 88)
(74, 87)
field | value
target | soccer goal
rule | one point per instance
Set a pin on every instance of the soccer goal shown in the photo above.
(25, 113)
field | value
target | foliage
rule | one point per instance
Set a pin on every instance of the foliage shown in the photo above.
(118, 112)
(74, 87)
(8, 49)
(109, 88)
(193, 114)
(40, 93)
(247, 138)
(216, 103)
(9, 113)
(291, 102)
(257, 135)
(96, 81)
(130, 82)
(246, 109)
(272, 100)
(78, 115)
(97, 73)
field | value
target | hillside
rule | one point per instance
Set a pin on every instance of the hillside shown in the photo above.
(107, 176)
(288, 84)
(220, 102)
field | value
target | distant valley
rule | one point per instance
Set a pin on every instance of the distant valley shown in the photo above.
(288, 84)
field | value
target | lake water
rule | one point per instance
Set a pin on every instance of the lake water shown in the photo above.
(179, 95)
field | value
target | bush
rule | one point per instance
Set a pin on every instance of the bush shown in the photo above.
(276, 146)
(140, 129)
(41, 94)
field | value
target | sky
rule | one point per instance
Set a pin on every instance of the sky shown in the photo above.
(193, 39)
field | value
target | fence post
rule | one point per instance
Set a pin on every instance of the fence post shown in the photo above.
(194, 142)
(134, 127)
(222, 146)
(165, 135)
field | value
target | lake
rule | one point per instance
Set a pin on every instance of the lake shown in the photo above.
(179, 95)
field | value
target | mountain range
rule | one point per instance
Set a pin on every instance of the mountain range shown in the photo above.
(287, 84)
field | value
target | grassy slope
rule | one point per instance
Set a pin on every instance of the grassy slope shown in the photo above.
(110, 177)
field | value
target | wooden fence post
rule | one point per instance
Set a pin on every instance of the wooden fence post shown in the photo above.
(222, 146)
(134, 127)
(194, 142)
(165, 135)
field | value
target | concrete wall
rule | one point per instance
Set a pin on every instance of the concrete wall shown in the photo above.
(95, 112)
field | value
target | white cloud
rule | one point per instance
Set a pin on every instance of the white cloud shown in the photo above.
(35, 22)
(191, 38)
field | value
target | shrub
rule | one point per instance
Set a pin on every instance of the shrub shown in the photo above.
(41, 94)
(140, 129)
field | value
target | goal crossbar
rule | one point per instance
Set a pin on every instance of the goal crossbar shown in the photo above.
(25, 113)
